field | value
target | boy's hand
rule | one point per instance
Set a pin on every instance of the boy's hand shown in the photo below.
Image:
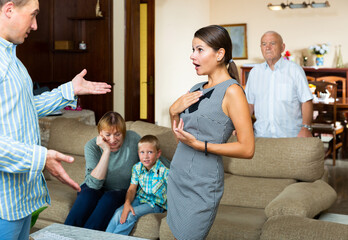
(126, 209)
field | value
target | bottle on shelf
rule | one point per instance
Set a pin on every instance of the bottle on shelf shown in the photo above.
(339, 63)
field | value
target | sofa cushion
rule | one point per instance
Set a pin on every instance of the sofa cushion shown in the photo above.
(75, 170)
(302, 199)
(298, 158)
(298, 228)
(62, 199)
(77, 133)
(252, 192)
(148, 226)
(165, 136)
(230, 223)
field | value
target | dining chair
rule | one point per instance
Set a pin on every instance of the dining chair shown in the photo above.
(310, 78)
(342, 114)
(340, 81)
(325, 122)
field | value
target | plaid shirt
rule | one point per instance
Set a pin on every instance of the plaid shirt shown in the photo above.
(152, 184)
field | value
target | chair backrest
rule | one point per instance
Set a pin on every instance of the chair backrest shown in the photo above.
(310, 78)
(327, 110)
(340, 81)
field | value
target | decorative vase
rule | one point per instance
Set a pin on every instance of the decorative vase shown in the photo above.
(98, 13)
(319, 61)
(339, 58)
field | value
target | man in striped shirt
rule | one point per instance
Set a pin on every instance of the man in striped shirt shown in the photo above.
(22, 185)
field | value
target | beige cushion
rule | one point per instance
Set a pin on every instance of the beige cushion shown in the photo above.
(148, 226)
(298, 158)
(76, 169)
(299, 228)
(165, 136)
(252, 192)
(70, 136)
(302, 199)
(230, 223)
(62, 199)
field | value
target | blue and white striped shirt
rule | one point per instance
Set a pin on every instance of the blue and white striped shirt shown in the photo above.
(22, 185)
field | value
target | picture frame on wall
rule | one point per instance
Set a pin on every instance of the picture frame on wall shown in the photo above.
(238, 34)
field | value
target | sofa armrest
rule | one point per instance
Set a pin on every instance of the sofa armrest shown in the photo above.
(297, 228)
(302, 199)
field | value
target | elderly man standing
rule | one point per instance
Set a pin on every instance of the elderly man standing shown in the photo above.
(278, 94)
(22, 186)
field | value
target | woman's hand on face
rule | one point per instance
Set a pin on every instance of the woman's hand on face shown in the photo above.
(184, 102)
(182, 135)
(101, 142)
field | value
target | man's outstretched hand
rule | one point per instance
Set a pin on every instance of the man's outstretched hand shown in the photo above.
(83, 87)
(55, 168)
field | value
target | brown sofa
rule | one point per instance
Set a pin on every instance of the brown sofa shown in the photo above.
(282, 185)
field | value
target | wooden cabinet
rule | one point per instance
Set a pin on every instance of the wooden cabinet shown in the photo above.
(245, 74)
(310, 71)
(74, 21)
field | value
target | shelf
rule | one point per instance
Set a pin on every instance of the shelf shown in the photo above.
(70, 51)
(85, 18)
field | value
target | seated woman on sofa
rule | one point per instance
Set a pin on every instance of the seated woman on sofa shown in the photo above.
(109, 160)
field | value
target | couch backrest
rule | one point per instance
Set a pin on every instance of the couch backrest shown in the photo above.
(253, 192)
(292, 158)
(70, 136)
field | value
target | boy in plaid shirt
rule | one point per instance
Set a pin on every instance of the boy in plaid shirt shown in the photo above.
(147, 192)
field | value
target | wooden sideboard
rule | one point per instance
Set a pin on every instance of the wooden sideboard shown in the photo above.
(310, 71)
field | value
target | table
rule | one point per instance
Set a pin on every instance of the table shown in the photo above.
(58, 231)
(86, 116)
(333, 217)
(342, 103)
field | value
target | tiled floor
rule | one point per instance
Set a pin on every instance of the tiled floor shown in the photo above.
(338, 179)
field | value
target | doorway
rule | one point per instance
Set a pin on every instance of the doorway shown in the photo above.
(139, 60)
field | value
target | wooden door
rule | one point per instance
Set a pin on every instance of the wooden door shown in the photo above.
(133, 61)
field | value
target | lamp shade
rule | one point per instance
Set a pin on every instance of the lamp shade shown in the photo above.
(298, 5)
(276, 7)
(320, 5)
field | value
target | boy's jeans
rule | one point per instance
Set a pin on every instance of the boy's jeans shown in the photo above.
(140, 209)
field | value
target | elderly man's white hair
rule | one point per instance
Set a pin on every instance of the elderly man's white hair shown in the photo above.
(274, 33)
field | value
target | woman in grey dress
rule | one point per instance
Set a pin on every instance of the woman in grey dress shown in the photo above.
(202, 121)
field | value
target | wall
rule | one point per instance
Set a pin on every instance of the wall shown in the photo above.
(177, 20)
(119, 41)
(300, 28)
(175, 23)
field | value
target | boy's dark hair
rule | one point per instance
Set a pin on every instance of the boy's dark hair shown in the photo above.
(150, 139)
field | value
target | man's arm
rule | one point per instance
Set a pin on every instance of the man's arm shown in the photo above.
(307, 116)
(66, 94)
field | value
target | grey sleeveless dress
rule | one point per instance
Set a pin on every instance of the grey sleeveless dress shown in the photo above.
(196, 181)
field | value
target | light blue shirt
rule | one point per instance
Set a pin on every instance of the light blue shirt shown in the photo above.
(22, 185)
(277, 97)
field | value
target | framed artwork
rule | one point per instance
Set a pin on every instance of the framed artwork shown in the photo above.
(238, 34)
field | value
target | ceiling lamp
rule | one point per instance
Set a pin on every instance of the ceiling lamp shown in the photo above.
(297, 5)
(276, 7)
(320, 5)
